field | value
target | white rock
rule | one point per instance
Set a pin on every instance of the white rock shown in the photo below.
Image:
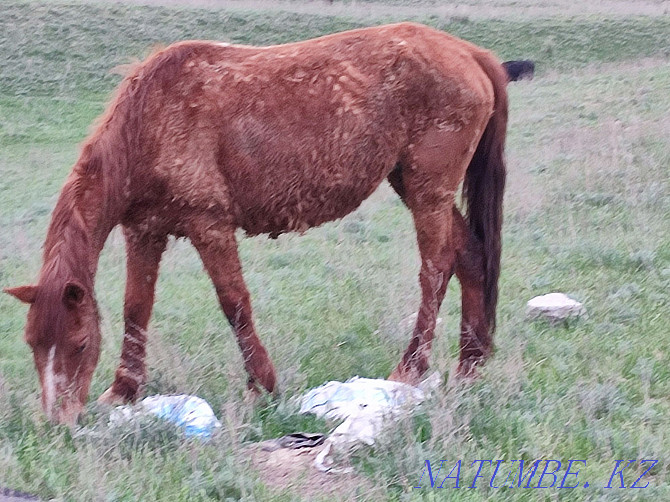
(555, 307)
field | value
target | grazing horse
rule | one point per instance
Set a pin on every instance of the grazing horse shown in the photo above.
(204, 138)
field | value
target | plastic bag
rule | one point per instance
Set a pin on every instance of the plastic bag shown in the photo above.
(364, 403)
(190, 413)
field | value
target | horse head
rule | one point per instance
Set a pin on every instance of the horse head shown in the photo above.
(63, 331)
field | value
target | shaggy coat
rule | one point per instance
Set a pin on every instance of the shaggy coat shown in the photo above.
(204, 138)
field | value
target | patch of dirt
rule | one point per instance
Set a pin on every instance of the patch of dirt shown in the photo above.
(294, 470)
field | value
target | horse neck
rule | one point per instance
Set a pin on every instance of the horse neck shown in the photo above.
(80, 223)
(94, 196)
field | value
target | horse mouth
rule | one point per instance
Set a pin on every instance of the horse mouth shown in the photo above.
(66, 414)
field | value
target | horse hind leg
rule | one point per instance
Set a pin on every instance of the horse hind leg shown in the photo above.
(215, 242)
(476, 342)
(475, 339)
(143, 254)
(427, 183)
(437, 262)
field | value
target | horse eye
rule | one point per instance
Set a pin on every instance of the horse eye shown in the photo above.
(80, 349)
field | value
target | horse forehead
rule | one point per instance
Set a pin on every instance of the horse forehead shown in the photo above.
(46, 324)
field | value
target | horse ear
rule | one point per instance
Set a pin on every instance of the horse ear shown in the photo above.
(73, 294)
(26, 294)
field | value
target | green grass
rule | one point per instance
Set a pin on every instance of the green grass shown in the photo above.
(72, 46)
(587, 212)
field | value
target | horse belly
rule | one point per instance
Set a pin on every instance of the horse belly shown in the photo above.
(306, 165)
(295, 203)
(292, 182)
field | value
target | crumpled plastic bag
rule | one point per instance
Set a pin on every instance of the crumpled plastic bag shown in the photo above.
(363, 403)
(366, 405)
(190, 413)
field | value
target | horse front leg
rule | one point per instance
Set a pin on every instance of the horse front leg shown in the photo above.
(143, 255)
(215, 242)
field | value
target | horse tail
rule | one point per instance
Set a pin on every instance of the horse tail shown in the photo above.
(484, 184)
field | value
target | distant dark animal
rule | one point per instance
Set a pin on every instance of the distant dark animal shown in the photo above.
(519, 70)
(204, 138)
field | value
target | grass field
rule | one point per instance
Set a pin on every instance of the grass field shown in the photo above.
(587, 213)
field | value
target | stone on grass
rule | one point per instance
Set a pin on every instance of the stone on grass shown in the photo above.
(554, 307)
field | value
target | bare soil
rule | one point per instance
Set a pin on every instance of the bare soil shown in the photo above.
(294, 470)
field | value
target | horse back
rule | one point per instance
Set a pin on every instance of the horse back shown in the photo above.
(287, 137)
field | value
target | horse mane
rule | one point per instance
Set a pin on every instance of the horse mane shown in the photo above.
(109, 153)
(114, 147)
(91, 201)
(65, 259)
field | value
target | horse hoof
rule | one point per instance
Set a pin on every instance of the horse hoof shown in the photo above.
(467, 371)
(406, 377)
(110, 398)
(395, 376)
(251, 396)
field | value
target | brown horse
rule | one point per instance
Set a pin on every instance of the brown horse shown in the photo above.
(203, 138)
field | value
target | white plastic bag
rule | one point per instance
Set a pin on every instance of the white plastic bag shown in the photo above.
(364, 403)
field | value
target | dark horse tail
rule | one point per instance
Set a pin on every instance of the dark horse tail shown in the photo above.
(484, 185)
